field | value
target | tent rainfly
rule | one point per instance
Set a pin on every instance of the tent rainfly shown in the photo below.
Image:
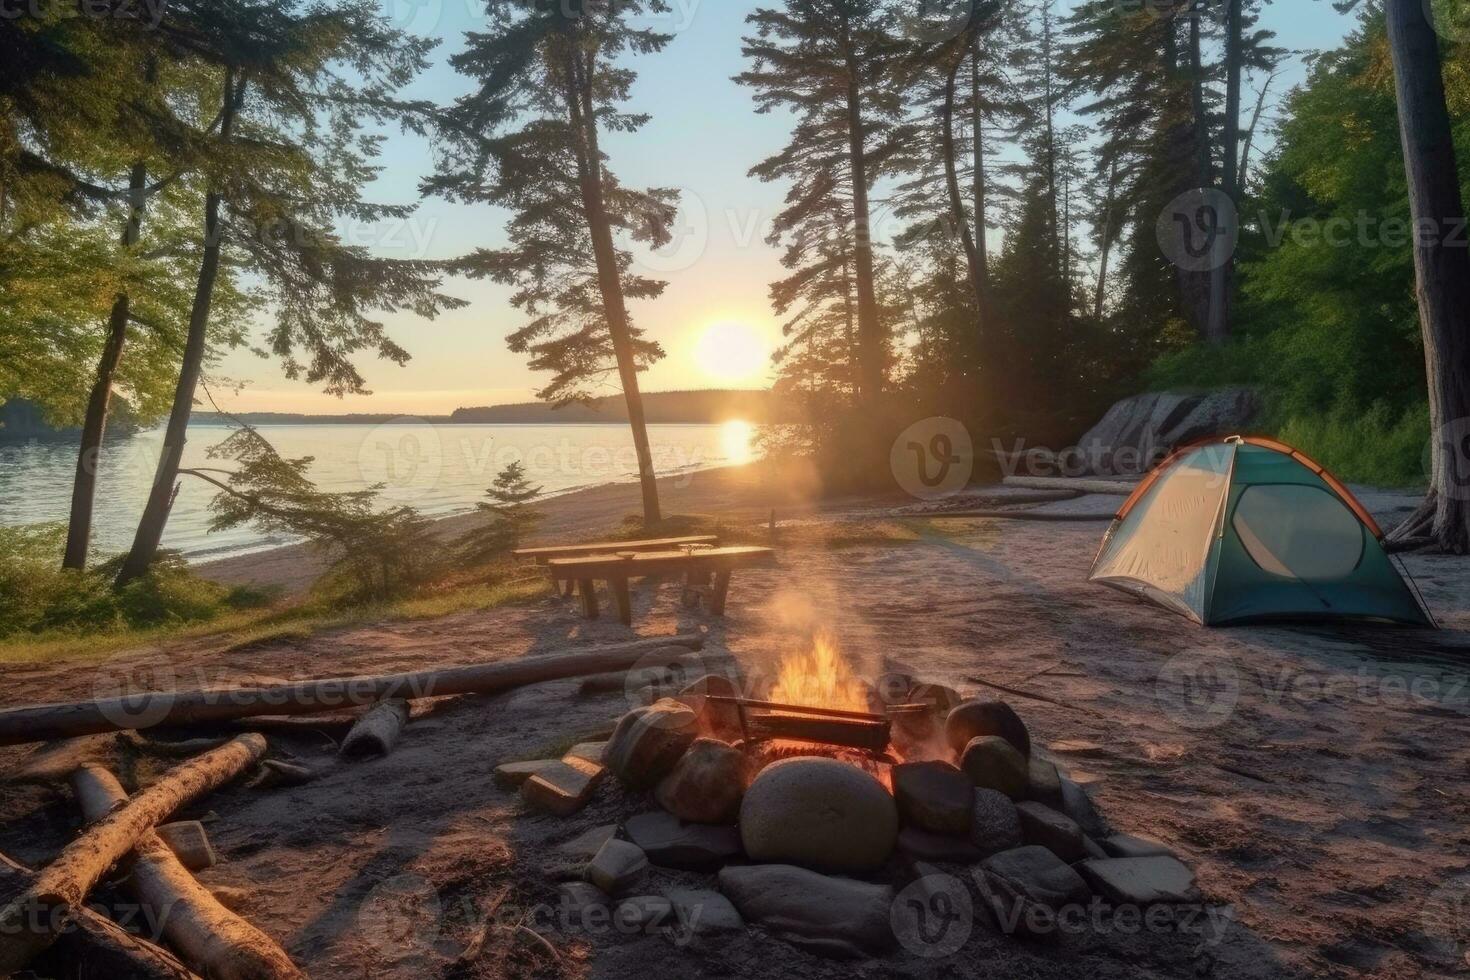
(1245, 529)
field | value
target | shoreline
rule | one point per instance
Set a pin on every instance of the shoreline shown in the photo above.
(745, 492)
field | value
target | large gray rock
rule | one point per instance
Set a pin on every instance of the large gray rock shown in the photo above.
(1045, 783)
(993, 763)
(819, 813)
(973, 719)
(706, 784)
(1026, 887)
(1141, 881)
(995, 826)
(648, 741)
(1078, 805)
(933, 796)
(716, 719)
(617, 866)
(701, 912)
(829, 916)
(671, 843)
(1056, 832)
(1137, 432)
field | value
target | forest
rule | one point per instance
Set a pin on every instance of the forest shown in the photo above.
(991, 211)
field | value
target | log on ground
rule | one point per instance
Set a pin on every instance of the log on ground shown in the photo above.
(150, 709)
(209, 937)
(94, 945)
(377, 731)
(32, 920)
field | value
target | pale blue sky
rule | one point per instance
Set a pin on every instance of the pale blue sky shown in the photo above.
(703, 138)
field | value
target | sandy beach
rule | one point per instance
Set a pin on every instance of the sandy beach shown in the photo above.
(1318, 786)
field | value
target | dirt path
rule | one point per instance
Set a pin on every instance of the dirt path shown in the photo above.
(1315, 779)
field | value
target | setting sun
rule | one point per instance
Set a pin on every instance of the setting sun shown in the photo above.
(732, 352)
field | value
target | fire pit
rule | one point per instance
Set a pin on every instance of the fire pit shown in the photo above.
(776, 786)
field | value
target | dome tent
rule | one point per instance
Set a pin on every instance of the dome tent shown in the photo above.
(1246, 529)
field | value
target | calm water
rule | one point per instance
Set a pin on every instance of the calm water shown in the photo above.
(440, 469)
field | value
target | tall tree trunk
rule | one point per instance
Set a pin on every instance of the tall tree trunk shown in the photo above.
(609, 277)
(1222, 280)
(1106, 243)
(160, 498)
(1242, 178)
(1442, 273)
(94, 425)
(977, 123)
(1051, 139)
(957, 203)
(870, 332)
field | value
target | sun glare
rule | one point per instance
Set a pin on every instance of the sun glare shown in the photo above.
(737, 441)
(731, 352)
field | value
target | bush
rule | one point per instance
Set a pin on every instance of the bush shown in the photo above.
(1378, 447)
(37, 595)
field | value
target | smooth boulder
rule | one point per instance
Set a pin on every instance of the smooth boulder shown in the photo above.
(829, 916)
(995, 825)
(993, 763)
(818, 813)
(933, 796)
(648, 741)
(974, 719)
(706, 784)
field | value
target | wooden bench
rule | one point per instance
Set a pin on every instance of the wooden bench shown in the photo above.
(543, 556)
(697, 568)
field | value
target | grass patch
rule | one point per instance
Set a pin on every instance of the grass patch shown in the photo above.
(1377, 447)
(254, 628)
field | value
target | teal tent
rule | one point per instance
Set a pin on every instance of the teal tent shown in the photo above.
(1245, 529)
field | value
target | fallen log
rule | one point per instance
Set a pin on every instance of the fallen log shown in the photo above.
(209, 937)
(32, 921)
(95, 946)
(377, 731)
(153, 708)
(1053, 517)
(1118, 488)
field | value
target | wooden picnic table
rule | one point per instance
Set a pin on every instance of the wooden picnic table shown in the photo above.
(696, 566)
(546, 555)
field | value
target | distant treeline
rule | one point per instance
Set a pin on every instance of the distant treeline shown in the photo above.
(24, 421)
(667, 407)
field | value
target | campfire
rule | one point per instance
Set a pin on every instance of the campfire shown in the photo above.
(821, 789)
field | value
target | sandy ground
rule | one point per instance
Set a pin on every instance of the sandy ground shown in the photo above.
(1315, 778)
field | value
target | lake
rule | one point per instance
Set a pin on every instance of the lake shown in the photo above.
(440, 469)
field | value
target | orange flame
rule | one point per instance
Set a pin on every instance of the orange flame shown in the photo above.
(819, 679)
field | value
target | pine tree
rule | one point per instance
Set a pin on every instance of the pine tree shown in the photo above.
(509, 516)
(833, 63)
(550, 81)
(295, 85)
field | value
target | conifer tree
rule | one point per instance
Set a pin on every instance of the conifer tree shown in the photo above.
(550, 82)
(509, 515)
(833, 63)
(295, 84)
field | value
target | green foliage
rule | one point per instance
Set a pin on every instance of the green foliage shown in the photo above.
(375, 554)
(37, 596)
(547, 78)
(1381, 446)
(509, 516)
